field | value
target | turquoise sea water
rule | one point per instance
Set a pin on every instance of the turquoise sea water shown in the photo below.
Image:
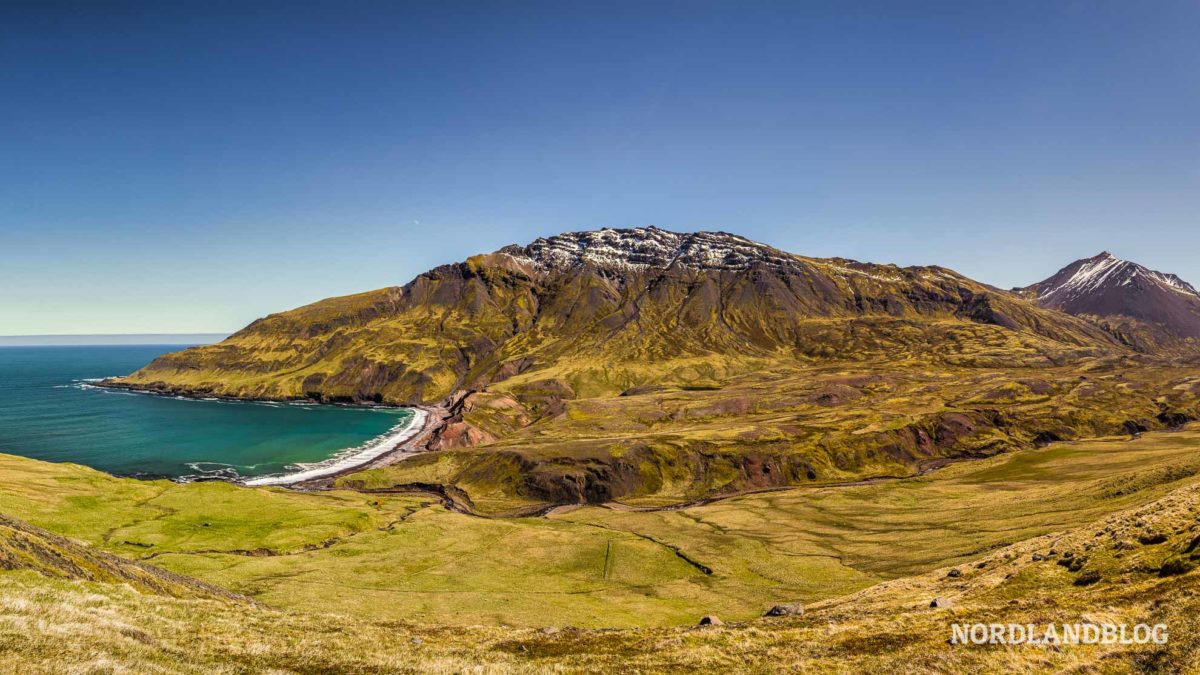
(49, 412)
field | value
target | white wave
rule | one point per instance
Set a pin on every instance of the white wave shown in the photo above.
(208, 471)
(350, 459)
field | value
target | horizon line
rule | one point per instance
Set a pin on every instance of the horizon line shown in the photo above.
(109, 339)
(184, 332)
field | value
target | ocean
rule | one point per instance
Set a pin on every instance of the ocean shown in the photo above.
(49, 411)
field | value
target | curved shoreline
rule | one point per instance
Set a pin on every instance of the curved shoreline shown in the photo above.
(426, 421)
(386, 446)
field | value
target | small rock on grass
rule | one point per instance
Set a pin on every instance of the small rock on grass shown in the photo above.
(711, 620)
(791, 609)
(940, 603)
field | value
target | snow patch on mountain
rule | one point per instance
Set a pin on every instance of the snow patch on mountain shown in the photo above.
(843, 271)
(644, 248)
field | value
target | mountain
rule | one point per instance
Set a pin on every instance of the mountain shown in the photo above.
(1107, 286)
(642, 363)
(600, 312)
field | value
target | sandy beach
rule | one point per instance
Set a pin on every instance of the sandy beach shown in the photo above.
(363, 457)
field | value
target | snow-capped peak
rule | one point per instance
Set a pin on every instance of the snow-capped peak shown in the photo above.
(645, 247)
(1103, 271)
(1106, 285)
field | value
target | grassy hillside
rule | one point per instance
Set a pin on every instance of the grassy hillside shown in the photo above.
(406, 557)
(1138, 566)
(25, 547)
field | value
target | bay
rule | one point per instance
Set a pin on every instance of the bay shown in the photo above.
(48, 411)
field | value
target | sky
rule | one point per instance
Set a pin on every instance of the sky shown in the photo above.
(191, 166)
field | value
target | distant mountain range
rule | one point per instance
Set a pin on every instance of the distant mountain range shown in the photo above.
(90, 340)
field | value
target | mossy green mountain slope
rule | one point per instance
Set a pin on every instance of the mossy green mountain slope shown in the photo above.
(830, 422)
(604, 323)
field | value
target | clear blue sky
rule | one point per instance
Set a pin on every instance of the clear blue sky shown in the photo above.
(187, 167)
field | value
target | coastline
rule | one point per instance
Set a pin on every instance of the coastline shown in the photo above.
(388, 446)
(201, 395)
(397, 446)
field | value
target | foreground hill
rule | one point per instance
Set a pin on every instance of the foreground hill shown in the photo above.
(410, 556)
(25, 547)
(1139, 299)
(1131, 566)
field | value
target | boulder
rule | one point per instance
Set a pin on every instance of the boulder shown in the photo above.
(791, 609)
(711, 620)
(1151, 538)
(954, 573)
(940, 603)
